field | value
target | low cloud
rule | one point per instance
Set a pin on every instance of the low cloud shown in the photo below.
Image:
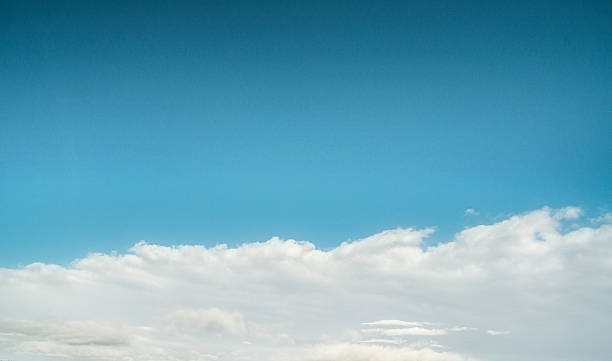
(75, 333)
(211, 320)
(361, 352)
(409, 331)
(288, 300)
(397, 323)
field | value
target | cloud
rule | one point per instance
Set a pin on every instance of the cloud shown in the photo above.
(396, 323)
(71, 333)
(211, 320)
(76, 339)
(383, 340)
(361, 352)
(471, 212)
(288, 300)
(412, 331)
(568, 213)
(604, 218)
(497, 333)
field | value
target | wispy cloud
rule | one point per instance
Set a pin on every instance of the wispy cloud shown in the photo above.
(568, 213)
(397, 323)
(409, 331)
(604, 218)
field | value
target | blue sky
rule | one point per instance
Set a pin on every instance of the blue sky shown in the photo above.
(227, 122)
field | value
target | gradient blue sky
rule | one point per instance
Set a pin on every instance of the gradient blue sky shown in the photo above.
(229, 122)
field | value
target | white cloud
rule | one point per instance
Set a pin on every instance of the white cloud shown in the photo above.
(497, 333)
(471, 212)
(414, 331)
(383, 340)
(396, 323)
(288, 300)
(568, 213)
(353, 352)
(71, 333)
(604, 218)
(211, 320)
(409, 331)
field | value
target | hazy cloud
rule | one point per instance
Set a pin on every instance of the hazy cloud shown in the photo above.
(471, 212)
(604, 218)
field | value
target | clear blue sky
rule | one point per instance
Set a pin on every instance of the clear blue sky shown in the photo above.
(228, 122)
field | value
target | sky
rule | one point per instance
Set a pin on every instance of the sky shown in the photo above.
(305, 180)
(230, 122)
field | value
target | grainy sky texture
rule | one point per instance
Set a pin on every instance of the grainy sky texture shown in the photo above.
(305, 180)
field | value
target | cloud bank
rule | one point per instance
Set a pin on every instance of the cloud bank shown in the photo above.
(523, 288)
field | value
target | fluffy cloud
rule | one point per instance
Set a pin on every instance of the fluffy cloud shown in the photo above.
(548, 289)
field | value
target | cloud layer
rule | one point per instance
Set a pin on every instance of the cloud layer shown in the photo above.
(524, 288)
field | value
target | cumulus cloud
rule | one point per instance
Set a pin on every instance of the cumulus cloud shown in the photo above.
(288, 300)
